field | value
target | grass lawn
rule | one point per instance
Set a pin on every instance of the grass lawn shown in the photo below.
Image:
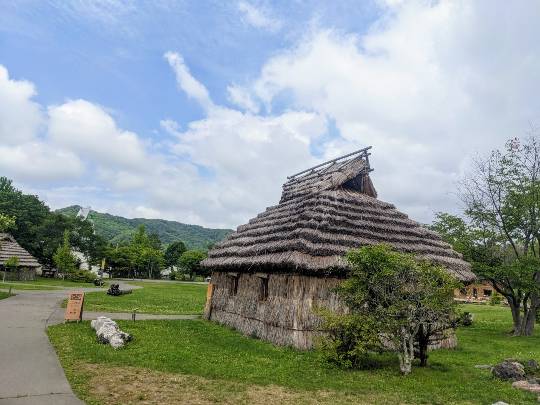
(4, 294)
(44, 283)
(153, 298)
(201, 362)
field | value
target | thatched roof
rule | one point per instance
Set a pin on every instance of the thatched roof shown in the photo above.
(322, 214)
(10, 248)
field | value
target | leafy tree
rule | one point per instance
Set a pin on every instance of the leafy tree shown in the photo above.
(6, 223)
(173, 253)
(41, 231)
(190, 262)
(146, 255)
(502, 198)
(63, 258)
(407, 301)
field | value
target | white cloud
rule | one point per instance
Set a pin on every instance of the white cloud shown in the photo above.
(258, 17)
(242, 98)
(186, 82)
(427, 86)
(38, 162)
(20, 116)
(90, 131)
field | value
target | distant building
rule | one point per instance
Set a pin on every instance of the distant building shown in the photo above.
(477, 292)
(270, 275)
(27, 265)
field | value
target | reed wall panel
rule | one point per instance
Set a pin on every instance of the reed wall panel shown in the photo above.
(286, 317)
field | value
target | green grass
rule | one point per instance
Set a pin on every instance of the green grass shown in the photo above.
(153, 298)
(4, 294)
(204, 349)
(44, 283)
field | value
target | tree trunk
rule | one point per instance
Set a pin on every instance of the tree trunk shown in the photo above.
(423, 342)
(406, 354)
(515, 307)
(529, 317)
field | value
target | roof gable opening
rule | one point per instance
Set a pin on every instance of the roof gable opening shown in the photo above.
(350, 171)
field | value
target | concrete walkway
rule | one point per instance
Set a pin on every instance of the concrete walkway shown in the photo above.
(30, 373)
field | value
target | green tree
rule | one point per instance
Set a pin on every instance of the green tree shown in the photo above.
(146, 254)
(407, 301)
(6, 222)
(190, 262)
(173, 253)
(63, 258)
(502, 199)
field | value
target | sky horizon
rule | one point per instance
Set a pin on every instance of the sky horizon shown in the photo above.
(197, 111)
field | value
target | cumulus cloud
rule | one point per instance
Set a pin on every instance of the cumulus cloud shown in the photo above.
(20, 116)
(258, 17)
(429, 84)
(90, 131)
(426, 86)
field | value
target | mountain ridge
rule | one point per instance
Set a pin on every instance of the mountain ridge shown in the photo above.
(118, 229)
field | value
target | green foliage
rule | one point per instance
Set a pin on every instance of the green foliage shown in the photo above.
(6, 222)
(407, 300)
(495, 299)
(41, 231)
(80, 276)
(63, 258)
(173, 253)
(119, 230)
(12, 263)
(190, 262)
(465, 318)
(349, 339)
(502, 198)
(142, 257)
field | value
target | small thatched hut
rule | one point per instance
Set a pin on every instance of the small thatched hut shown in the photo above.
(27, 265)
(269, 275)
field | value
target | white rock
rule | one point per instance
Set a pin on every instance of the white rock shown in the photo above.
(107, 331)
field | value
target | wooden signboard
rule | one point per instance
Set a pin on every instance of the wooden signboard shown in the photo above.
(74, 308)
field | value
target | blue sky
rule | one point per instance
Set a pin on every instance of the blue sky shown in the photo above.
(111, 53)
(196, 111)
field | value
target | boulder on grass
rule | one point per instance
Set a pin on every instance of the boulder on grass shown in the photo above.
(527, 386)
(107, 331)
(509, 370)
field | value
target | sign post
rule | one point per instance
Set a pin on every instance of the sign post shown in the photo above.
(74, 308)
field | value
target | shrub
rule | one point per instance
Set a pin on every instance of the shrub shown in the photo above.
(81, 276)
(349, 339)
(465, 319)
(495, 299)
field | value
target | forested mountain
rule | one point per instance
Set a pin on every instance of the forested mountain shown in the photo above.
(116, 229)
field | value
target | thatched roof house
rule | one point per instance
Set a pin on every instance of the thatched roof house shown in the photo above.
(27, 264)
(270, 273)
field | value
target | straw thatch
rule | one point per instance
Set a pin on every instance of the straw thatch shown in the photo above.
(320, 217)
(10, 248)
(27, 264)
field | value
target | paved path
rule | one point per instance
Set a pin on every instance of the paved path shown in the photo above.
(30, 373)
